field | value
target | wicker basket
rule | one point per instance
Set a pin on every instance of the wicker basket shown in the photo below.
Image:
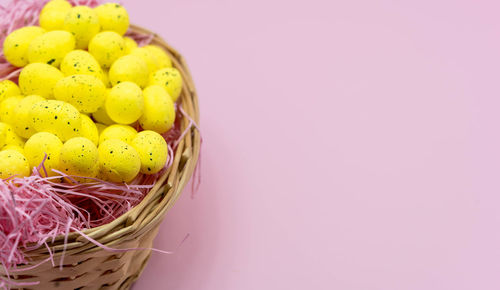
(87, 266)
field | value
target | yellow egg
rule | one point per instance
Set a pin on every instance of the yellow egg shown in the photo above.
(53, 14)
(23, 125)
(79, 156)
(51, 47)
(13, 163)
(10, 138)
(113, 17)
(159, 110)
(163, 60)
(7, 107)
(58, 118)
(80, 62)
(118, 161)
(125, 103)
(106, 47)
(16, 44)
(15, 148)
(89, 129)
(100, 128)
(120, 132)
(84, 92)
(130, 44)
(3, 136)
(83, 23)
(42, 144)
(170, 79)
(39, 79)
(152, 150)
(148, 57)
(8, 89)
(129, 68)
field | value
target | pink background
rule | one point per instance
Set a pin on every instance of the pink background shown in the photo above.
(348, 145)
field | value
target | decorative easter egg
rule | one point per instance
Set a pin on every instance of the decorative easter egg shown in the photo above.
(13, 163)
(152, 150)
(105, 78)
(129, 68)
(148, 57)
(125, 103)
(161, 57)
(89, 129)
(7, 108)
(51, 47)
(80, 62)
(79, 156)
(170, 79)
(113, 17)
(118, 161)
(159, 110)
(23, 124)
(58, 118)
(83, 23)
(40, 145)
(121, 132)
(84, 92)
(53, 14)
(16, 44)
(3, 136)
(106, 47)
(11, 137)
(39, 79)
(130, 44)
(8, 89)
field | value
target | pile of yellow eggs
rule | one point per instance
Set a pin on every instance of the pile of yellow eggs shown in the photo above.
(82, 91)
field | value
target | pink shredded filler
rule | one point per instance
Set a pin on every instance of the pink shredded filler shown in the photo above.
(36, 209)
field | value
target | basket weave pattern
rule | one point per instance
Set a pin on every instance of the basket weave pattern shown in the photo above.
(87, 266)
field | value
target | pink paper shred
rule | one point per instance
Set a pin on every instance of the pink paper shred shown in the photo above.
(36, 209)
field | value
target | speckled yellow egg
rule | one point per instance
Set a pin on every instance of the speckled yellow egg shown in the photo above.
(13, 163)
(113, 17)
(80, 62)
(118, 161)
(42, 144)
(120, 132)
(11, 137)
(130, 44)
(125, 103)
(16, 44)
(153, 151)
(129, 68)
(7, 107)
(83, 23)
(39, 79)
(8, 89)
(106, 47)
(105, 78)
(89, 129)
(23, 125)
(53, 14)
(79, 156)
(148, 57)
(84, 92)
(170, 79)
(51, 47)
(161, 57)
(15, 148)
(159, 110)
(58, 118)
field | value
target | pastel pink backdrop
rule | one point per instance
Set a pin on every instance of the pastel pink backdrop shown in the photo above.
(348, 145)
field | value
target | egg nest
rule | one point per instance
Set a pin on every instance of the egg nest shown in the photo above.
(55, 200)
